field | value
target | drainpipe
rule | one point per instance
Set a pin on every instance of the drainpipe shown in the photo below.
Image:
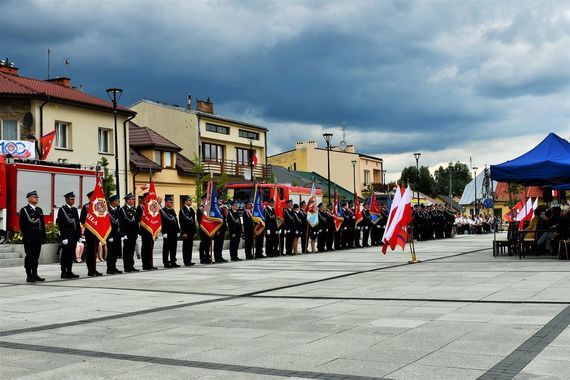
(265, 148)
(42, 125)
(126, 153)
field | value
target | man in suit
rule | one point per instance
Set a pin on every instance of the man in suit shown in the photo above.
(271, 238)
(365, 224)
(289, 227)
(220, 235)
(70, 233)
(147, 240)
(129, 231)
(170, 232)
(234, 231)
(248, 230)
(114, 238)
(304, 226)
(187, 218)
(33, 229)
(91, 242)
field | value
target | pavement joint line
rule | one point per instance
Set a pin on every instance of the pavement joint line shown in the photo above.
(221, 299)
(517, 360)
(515, 302)
(179, 362)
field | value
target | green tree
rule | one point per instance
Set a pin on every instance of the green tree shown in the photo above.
(199, 169)
(460, 176)
(425, 183)
(108, 179)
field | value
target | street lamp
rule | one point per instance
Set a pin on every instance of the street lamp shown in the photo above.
(354, 176)
(384, 171)
(115, 94)
(328, 138)
(475, 175)
(417, 156)
(450, 168)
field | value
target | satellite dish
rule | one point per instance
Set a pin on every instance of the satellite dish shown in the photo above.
(342, 145)
(28, 120)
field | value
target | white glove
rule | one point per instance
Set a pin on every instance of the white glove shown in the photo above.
(268, 232)
(178, 234)
(124, 238)
(82, 240)
(165, 236)
(64, 241)
(110, 240)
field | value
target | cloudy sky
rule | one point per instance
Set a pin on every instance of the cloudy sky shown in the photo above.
(449, 79)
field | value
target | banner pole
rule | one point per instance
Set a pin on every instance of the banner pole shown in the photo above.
(414, 259)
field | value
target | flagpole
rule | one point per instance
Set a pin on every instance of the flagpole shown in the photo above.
(414, 259)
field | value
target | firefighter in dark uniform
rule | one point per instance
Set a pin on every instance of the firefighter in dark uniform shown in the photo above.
(365, 224)
(33, 229)
(91, 241)
(170, 233)
(147, 240)
(70, 233)
(220, 235)
(356, 227)
(129, 231)
(259, 240)
(114, 238)
(289, 227)
(205, 240)
(348, 226)
(234, 230)
(271, 238)
(187, 219)
(304, 226)
(323, 238)
(248, 230)
(330, 228)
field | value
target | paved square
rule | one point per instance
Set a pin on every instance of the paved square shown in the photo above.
(460, 314)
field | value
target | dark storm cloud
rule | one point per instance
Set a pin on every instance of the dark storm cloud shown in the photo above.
(435, 74)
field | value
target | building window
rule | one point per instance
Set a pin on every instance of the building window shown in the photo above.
(104, 140)
(366, 177)
(242, 156)
(217, 129)
(248, 134)
(62, 135)
(212, 152)
(168, 160)
(158, 157)
(9, 129)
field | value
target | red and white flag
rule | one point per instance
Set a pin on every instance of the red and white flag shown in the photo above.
(396, 232)
(527, 212)
(97, 219)
(150, 219)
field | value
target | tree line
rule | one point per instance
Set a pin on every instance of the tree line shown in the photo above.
(438, 183)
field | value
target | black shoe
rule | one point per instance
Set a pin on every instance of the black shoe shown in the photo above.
(154, 268)
(134, 270)
(236, 259)
(261, 257)
(73, 275)
(97, 274)
(64, 275)
(167, 265)
(110, 271)
(222, 260)
(249, 258)
(128, 270)
(174, 265)
(30, 278)
(116, 271)
(91, 274)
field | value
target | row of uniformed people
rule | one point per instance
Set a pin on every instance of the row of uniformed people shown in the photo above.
(433, 222)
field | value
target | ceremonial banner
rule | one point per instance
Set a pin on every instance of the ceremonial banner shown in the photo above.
(375, 211)
(278, 207)
(357, 210)
(97, 219)
(258, 215)
(17, 148)
(150, 219)
(512, 214)
(212, 219)
(46, 142)
(311, 208)
(396, 232)
(338, 215)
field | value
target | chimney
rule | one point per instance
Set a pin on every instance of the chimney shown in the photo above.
(189, 102)
(8, 67)
(62, 81)
(205, 106)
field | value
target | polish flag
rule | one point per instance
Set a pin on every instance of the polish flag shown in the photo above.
(526, 212)
(396, 232)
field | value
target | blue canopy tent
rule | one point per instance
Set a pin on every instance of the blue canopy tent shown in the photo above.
(547, 164)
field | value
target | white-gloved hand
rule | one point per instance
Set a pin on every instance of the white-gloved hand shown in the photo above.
(64, 241)
(178, 234)
(110, 240)
(124, 238)
(165, 236)
(268, 232)
(82, 240)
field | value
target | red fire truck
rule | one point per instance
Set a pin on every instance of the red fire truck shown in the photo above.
(51, 180)
(242, 192)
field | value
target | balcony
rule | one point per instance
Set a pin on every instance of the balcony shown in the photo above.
(234, 168)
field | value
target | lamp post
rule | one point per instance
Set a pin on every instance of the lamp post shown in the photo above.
(115, 94)
(328, 138)
(450, 168)
(354, 176)
(475, 176)
(417, 156)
